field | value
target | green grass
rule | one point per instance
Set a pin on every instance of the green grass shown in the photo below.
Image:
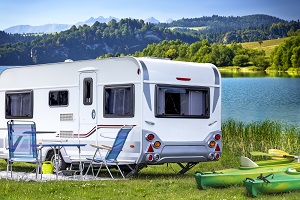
(161, 182)
(268, 45)
(154, 182)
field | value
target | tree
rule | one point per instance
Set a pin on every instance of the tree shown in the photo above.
(193, 48)
(260, 42)
(261, 62)
(172, 54)
(295, 58)
(241, 60)
(286, 55)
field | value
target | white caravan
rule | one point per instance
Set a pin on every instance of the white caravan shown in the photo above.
(174, 108)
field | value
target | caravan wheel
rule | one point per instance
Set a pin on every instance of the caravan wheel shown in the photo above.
(59, 161)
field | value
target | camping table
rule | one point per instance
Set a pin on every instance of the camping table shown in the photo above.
(58, 146)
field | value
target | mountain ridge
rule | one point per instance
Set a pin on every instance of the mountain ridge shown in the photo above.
(50, 28)
(133, 35)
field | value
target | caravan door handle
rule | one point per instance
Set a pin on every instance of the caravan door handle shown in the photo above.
(93, 114)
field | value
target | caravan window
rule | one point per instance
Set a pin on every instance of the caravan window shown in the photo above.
(59, 98)
(181, 101)
(88, 91)
(19, 104)
(118, 101)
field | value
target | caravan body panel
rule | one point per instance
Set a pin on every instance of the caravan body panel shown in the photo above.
(179, 103)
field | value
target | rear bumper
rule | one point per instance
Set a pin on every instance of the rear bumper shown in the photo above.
(180, 159)
(157, 151)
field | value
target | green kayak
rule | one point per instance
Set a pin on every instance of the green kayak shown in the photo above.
(247, 162)
(273, 183)
(275, 161)
(234, 176)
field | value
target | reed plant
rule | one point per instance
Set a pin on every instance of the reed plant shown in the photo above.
(240, 138)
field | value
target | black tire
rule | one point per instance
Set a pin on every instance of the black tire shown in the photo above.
(61, 165)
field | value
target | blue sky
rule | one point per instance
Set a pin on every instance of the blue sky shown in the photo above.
(40, 12)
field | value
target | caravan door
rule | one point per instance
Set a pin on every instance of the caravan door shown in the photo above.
(88, 106)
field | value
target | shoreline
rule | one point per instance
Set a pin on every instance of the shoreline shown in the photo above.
(257, 70)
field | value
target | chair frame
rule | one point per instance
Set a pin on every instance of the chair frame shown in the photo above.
(112, 153)
(22, 144)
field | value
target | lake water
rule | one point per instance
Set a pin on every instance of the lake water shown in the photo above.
(250, 99)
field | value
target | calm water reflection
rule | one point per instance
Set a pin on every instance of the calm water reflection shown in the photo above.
(259, 74)
(253, 99)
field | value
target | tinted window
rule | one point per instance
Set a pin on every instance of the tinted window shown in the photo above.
(88, 91)
(58, 98)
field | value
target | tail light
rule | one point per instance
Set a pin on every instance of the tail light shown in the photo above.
(153, 149)
(150, 149)
(217, 137)
(150, 137)
(150, 157)
(157, 144)
(183, 79)
(211, 143)
(217, 148)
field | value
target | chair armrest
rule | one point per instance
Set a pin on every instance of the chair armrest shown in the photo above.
(100, 147)
(106, 146)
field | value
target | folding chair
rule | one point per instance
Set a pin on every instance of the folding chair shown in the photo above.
(112, 153)
(22, 144)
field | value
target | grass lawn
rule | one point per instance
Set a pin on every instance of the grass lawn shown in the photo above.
(154, 182)
(267, 45)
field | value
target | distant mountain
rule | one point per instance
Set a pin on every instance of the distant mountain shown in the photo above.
(50, 28)
(47, 28)
(151, 20)
(100, 19)
(169, 20)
